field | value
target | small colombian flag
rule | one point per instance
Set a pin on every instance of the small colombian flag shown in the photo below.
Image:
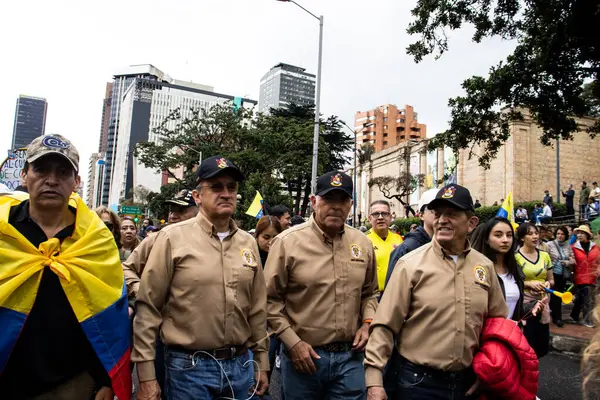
(256, 208)
(508, 210)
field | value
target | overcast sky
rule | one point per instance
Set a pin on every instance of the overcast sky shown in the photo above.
(66, 51)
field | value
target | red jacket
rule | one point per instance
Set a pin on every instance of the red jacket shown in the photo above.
(587, 266)
(506, 365)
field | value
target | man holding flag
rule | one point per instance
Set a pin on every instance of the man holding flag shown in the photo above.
(63, 303)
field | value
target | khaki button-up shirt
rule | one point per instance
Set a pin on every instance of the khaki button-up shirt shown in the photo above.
(135, 264)
(320, 289)
(437, 308)
(202, 292)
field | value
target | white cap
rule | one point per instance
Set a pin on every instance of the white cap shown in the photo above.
(427, 198)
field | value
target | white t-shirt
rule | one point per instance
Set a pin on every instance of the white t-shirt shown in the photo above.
(512, 293)
(455, 258)
(222, 235)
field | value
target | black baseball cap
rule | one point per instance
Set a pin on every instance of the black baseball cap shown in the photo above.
(216, 165)
(455, 196)
(183, 198)
(334, 180)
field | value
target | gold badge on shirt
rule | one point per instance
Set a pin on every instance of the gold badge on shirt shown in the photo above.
(355, 251)
(481, 275)
(248, 258)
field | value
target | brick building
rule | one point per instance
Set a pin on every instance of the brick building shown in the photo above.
(388, 126)
(527, 168)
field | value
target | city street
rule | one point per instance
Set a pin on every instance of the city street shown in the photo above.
(560, 378)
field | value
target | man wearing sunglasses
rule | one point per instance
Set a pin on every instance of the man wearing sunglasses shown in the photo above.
(322, 294)
(203, 288)
(383, 239)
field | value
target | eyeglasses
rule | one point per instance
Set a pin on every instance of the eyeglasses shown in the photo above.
(219, 187)
(109, 225)
(380, 214)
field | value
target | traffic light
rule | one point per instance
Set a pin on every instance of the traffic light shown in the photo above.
(136, 219)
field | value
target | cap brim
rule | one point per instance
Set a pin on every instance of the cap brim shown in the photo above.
(234, 172)
(177, 202)
(47, 153)
(438, 202)
(331, 189)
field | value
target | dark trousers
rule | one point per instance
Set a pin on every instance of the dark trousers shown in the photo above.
(582, 211)
(570, 209)
(416, 382)
(538, 335)
(584, 301)
(555, 301)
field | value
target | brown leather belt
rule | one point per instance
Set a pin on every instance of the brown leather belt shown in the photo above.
(224, 353)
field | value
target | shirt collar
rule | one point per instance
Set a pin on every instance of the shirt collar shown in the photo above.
(210, 229)
(440, 251)
(21, 212)
(315, 227)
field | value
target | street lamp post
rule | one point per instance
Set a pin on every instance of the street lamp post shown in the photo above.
(315, 160)
(355, 183)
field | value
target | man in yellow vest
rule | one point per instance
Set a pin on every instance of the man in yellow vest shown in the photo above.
(383, 239)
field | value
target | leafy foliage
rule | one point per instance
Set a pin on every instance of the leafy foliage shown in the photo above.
(273, 151)
(557, 52)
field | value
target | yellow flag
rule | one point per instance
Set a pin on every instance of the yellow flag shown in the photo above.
(256, 208)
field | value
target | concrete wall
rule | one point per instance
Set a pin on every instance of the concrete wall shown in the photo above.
(526, 167)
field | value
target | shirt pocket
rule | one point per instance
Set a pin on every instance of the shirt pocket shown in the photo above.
(244, 281)
(477, 304)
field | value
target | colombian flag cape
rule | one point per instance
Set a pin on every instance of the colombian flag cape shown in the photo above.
(91, 275)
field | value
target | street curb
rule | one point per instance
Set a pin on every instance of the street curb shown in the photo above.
(570, 345)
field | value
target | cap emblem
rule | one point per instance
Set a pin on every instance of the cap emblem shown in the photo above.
(54, 142)
(222, 163)
(449, 193)
(336, 180)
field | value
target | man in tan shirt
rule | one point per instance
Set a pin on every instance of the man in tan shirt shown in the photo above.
(436, 303)
(321, 297)
(181, 208)
(204, 288)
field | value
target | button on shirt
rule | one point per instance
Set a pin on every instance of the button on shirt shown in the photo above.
(202, 292)
(320, 289)
(52, 347)
(437, 308)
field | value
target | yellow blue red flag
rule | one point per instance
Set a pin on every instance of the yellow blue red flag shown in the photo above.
(507, 210)
(256, 208)
(91, 276)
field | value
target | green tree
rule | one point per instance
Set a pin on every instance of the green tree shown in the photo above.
(557, 52)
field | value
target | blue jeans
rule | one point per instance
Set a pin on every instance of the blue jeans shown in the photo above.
(416, 382)
(339, 376)
(191, 378)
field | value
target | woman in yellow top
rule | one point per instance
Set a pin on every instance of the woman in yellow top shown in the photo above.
(537, 267)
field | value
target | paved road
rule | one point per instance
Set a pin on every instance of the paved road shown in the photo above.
(560, 378)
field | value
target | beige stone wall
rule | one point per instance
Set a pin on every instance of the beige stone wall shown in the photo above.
(526, 167)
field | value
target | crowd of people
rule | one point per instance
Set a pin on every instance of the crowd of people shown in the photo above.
(293, 309)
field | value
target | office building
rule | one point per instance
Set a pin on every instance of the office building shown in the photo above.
(95, 175)
(121, 81)
(143, 105)
(30, 120)
(387, 125)
(105, 123)
(285, 84)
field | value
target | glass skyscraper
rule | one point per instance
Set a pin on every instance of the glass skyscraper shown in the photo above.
(30, 120)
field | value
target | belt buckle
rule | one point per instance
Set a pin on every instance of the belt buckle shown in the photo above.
(232, 352)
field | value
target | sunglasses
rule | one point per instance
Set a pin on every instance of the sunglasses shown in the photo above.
(109, 225)
(380, 214)
(232, 187)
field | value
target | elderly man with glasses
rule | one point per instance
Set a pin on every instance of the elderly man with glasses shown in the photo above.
(203, 289)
